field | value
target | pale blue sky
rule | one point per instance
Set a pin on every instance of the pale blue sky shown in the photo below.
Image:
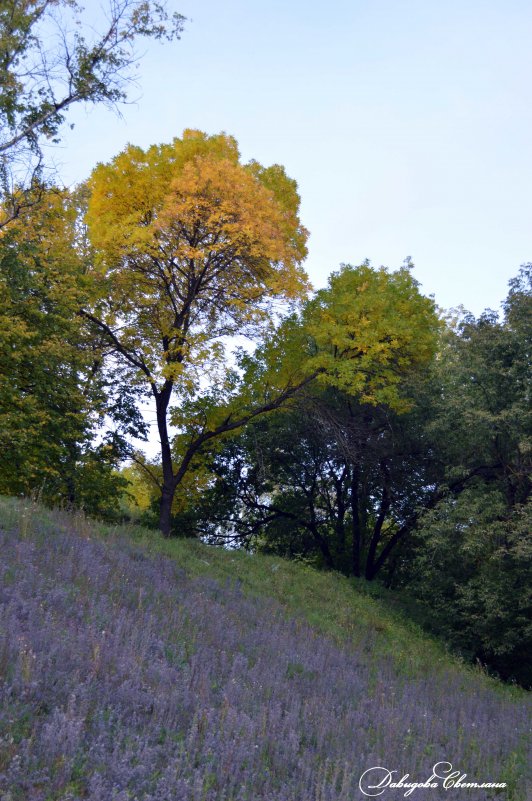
(406, 123)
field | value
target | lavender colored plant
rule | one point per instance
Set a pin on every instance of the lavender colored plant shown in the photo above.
(124, 679)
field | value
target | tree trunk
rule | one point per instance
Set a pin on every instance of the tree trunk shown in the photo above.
(169, 483)
(372, 565)
(324, 547)
(165, 511)
(355, 514)
(339, 523)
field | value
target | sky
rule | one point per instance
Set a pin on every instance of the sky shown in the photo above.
(406, 124)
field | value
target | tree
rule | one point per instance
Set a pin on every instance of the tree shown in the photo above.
(332, 479)
(370, 330)
(51, 59)
(471, 561)
(44, 413)
(38, 299)
(471, 569)
(309, 477)
(480, 406)
(54, 393)
(191, 247)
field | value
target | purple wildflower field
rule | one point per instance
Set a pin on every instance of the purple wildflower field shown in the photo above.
(124, 679)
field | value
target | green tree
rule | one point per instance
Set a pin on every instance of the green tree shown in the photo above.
(472, 550)
(53, 393)
(480, 408)
(303, 486)
(371, 329)
(40, 405)
(470, 566)
(51, 58)
(332, 479)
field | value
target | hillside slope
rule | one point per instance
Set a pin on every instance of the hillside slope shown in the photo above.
(212, 675)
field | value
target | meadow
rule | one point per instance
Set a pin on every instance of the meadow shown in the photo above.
(137, 669)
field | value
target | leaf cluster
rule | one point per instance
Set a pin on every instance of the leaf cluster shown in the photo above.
(191, 246)
(54, 391)
(371, 328)
(51, 58)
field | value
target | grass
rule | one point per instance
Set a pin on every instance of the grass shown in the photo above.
(138, 669)
(344, 609)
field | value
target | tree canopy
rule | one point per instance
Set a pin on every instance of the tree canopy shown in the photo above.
(53, 392)
(370, 328)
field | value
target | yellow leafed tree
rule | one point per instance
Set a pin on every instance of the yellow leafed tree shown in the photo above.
(190, 246)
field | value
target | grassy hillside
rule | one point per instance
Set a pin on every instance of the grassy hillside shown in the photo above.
(134, 668)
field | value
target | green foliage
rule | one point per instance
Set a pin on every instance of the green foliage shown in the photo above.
(330, 477)
(52, 391)
(481, 417)
(41, 405)
(51, 57)
(371, 328)
(473, 569)
(329, 480)
(471, 562)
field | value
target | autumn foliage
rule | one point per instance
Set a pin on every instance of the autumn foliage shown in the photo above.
(190, 246)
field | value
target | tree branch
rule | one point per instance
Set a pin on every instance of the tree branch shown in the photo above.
(135, 361)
